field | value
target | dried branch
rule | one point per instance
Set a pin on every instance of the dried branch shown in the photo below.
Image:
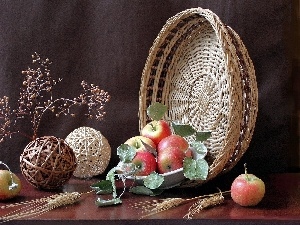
(7, 119)
(36, 97)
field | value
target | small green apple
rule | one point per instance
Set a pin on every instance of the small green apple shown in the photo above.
(10, 185)
(137, 143)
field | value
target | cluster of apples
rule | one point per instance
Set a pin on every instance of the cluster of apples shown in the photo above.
(157, 149)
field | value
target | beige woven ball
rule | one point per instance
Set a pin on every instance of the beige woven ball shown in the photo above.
(92, 151)
(47, 162)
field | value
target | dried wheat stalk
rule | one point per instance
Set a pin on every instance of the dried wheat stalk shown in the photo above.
(158, 206)
(204, 201)
(36, 207)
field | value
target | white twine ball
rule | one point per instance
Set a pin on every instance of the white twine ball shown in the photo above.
(92, 151)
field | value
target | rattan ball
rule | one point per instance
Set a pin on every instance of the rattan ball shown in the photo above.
(47, 162)
(92, 151)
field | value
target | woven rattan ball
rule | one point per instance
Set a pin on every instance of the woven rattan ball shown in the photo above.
(47, 162)
(92, 151)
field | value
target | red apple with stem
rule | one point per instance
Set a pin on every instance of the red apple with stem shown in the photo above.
(173, 140)
(156, 130)
(145, 163)
(138, 143)
(170, 159)
(247, 189)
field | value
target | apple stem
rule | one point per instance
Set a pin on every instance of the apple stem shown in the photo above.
(13, 184)
(246, 172)
(152, 126)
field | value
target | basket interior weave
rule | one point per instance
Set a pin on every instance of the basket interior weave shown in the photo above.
(201, 70)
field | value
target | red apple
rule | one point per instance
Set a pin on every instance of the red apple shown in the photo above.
(145, 163)
(189, 153)
(137, 143)
(247, 189)
(10, 185)
(173, 140)
(156, 130)
(170, 159)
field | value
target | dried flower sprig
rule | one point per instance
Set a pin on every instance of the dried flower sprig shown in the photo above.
(36, 97)
(203, 202)
(36, 207)
(95, 98)
(5, 118)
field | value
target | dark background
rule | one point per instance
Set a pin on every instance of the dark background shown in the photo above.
(107, 43)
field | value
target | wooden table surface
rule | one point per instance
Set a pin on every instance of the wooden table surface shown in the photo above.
(281, 205)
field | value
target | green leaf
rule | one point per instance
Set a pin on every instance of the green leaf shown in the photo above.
(202, 136)
(200, 149)
(142, 190)
(153, 180)
(195, 169)
(183, 130)
(126, 153)
(102, 202)
(103, 187)
(149, 148)
(156, 111)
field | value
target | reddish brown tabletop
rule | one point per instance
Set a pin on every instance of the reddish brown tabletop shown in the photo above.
(281, 205)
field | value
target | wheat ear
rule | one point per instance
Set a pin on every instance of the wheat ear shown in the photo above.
(162, 206)
(157, 206)
(204, 203)
(34, 208)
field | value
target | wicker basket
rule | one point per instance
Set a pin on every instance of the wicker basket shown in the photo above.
(201, 70)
